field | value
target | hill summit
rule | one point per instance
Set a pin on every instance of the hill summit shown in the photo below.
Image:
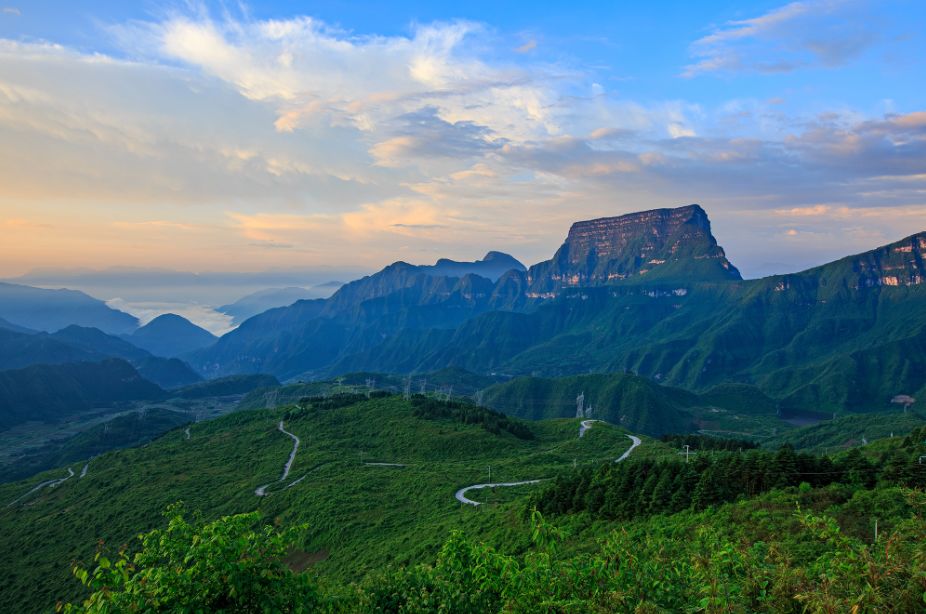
(171, 335)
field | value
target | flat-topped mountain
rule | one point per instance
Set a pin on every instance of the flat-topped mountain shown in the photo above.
(658, 244)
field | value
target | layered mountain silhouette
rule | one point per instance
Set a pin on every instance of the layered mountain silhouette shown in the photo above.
(259, 302)
(51, 310)
(83, 344)
(649, 293)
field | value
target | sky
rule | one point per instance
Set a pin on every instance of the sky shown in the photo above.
(330, 135)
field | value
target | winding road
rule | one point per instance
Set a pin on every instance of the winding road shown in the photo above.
(585, 425)
(261, 491)
(41, 485)
(460, 495)
(636, 441)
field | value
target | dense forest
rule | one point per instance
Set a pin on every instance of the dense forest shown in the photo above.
(627, 491)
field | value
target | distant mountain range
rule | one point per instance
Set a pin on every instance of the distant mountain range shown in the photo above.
(259, 302)
(81, 344)
(51, 310)
(649, 293)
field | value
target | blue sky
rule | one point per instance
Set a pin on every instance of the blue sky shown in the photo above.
(314, 134)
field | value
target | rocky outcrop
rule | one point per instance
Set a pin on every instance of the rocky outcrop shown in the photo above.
(662, 244)
(897, 264)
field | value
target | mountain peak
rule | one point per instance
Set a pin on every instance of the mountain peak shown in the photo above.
(495, 256)
(659, 244)
(171, 335)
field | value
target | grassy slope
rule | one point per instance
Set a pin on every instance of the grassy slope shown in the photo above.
(365, 517)
(848, 431)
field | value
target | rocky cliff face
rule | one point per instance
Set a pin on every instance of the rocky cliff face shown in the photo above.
(898, 264)
(674, 244)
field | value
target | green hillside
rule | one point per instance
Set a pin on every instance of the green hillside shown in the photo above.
(370, 513)
(628, 400)
(849, 431)
(52, 392)
(123, 431)
(361, 517)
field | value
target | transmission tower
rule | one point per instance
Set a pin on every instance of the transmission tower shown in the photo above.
(408, 387)
(580, 405)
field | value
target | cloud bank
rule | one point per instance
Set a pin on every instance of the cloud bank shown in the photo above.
(236, 143)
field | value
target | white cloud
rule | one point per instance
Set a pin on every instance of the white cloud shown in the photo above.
(811, 32)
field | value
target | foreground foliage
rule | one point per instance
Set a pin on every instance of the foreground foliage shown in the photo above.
(224, 565)
(797, 560)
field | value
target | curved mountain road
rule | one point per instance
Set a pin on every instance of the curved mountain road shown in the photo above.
(41, 485)
(261, 491)
(460, 495)
(636, 441)
(585, 425)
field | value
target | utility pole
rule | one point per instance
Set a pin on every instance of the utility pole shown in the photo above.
(686, 452)
(876, 530)
(490, 474)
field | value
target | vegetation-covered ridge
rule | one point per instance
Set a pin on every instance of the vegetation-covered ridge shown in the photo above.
(374, 482)
(372, 525)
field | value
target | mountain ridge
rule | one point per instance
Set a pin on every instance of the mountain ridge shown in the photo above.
(801, 338)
